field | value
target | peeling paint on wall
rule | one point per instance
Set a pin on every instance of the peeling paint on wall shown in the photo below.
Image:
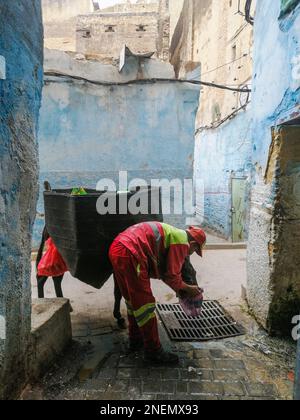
(146, 129)
(273, 253)
(21, 45)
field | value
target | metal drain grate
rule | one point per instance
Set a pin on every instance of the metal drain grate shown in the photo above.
(213, 324)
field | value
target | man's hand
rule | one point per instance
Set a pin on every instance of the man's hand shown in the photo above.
(189, 291)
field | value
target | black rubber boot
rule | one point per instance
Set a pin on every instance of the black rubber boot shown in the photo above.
(135, 346)
(161, 358)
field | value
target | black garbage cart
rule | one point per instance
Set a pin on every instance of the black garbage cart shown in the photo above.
(83, 236)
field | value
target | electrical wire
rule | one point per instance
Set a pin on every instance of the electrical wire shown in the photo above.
(225, 119)
(145, 81)
(224, 65)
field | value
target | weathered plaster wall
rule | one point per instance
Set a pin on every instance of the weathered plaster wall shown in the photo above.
(272, 271)
(125, 26)
(220, 155)
(175, 12)
(89, 132)
(59, 17)
(103, 33)
(211, 35)
(21, 45)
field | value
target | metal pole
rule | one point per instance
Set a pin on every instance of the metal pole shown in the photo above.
(297, 375)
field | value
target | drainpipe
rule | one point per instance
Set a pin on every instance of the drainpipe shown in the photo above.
(297, 376)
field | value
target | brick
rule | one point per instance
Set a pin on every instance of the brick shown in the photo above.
(230, 375)
(200, 374)
(162, 397)
(204, 364)
(168, 387)
(261, 390)
(229, 364)
(181, 387)
(107, 373)
(214, 388)
(217, 354)
(170, 374)
(155, 374)
(201, 354)
(98, 385)
(234, 389)
(141, 373)
(151, 387)
(135, 387)
(126, 373)
(120, 385)
(114, 396)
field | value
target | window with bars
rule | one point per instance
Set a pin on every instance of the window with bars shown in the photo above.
(288, 5)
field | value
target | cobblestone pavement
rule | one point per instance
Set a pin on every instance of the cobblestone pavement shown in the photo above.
(98, 367)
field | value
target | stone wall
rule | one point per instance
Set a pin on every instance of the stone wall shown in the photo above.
(144, 27)
(59, 17)
(21, 46)
(105, 34)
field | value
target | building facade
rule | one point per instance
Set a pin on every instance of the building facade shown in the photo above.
(213, 41)
(59, 18)
(142, 26)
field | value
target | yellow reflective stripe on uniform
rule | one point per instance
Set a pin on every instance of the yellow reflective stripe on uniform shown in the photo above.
(145, 314)
(138, 269)
(129, 308)
(146, 319)
(174, 236)
(144, 309)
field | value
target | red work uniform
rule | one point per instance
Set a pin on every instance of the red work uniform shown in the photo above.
(148, 250)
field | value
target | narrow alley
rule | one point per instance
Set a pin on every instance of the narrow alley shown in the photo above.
(149, 200)
(97, 366)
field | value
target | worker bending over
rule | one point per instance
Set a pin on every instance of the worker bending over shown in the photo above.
(152, 250)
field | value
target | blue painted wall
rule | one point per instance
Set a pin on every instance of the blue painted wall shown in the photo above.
(90, 132)
(21, 38)
(275, 99)
(220, 155)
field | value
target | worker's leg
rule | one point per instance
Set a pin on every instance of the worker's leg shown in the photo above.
(117, 306)
(41, 281)
(57, 285)
(135, 335)
(143, 306)
(135, 286)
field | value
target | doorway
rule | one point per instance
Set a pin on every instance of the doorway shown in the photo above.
(285, 245)
(238, 211)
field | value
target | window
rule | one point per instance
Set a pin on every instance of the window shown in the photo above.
(141, 28)
(287, 6)
(110, 28)
(86, 34)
